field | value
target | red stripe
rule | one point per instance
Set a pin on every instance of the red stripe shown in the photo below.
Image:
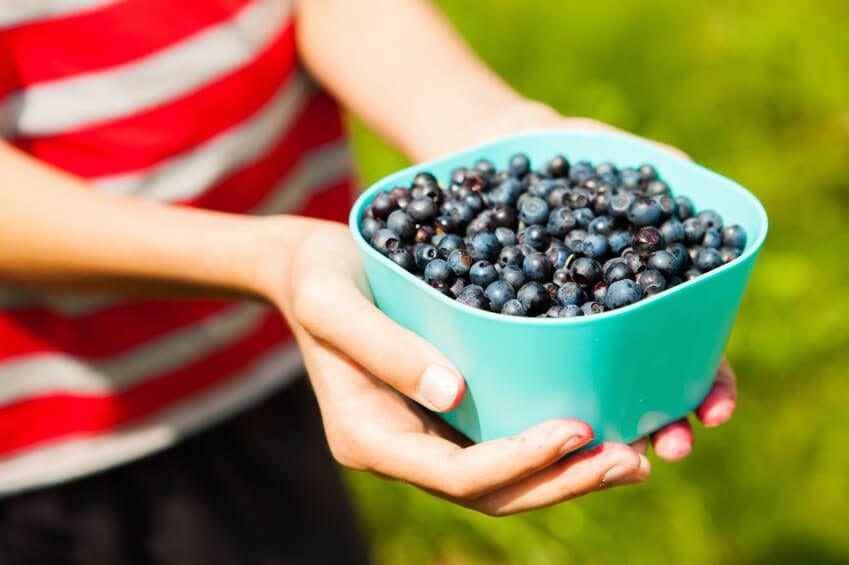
(101, 334)
(51, 417)
(141, 140)
(331, 203)
(114, 34)
(318, 124)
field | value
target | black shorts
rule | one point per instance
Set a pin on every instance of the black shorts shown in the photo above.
(260, 488)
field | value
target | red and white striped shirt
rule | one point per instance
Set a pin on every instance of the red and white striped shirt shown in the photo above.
(197, 102)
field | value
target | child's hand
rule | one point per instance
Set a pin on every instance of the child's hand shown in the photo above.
(362, 365)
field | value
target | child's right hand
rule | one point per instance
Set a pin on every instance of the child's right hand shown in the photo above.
(362, 366)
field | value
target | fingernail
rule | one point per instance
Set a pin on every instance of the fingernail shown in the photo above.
(618, 473)
(718, 414)
(572, 443)
(439, 387)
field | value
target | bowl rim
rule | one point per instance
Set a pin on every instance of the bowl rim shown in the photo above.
(748, 254)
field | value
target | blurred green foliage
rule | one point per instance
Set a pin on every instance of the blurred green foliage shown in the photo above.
(758, 91)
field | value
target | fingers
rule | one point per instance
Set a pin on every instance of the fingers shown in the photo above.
(719, 404)
(331, 307)
(468, 473)
(641, 445)
(600, 467)
(673, 442)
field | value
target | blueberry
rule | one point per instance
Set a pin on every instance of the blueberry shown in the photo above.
(574, 240)
(734, 236)
(580, 172)
(424, 179)
(561, 276)
(620, 204)
(674, 280)
(504, 216)
(599, 291)
(505, 236)
(456, 287)
(424, 234)
(458, 175)
(647, 172)
(424, 253)
(382, 205)
(710, 219)
(693, 252)
(616, 270)
(583, 217)
(519, 165)
(619, 240)
(552, 312)
(534, 297)
(601, 202)
(558, 254)
(482, 273)
(475, 181)
(673, 231)
(485, 167)
(535, 236)
(691, 274)
(448, 244)
(622, 293)
(579, 198)
(498, 293)
(401, 196)
(541, 188)
(474, 296)
(403, 258)
(595, 246)
(559, 166)
(569, 311)
(485, 246)
(385, 240)
(667, 206)
(657, 188)
(506, 193)
(533, 210)
(437, 271)
(606, 168)
(601, 224)
(513, 275)
(679, 252)
(728, 254)
(708, 259)
(585, 271)
(571, 293)
(552, 290)
(694, 230)
(561, 221)
(683, 207)
(369, 226)
(630, 178)
(712, 238)
(447, 224)
(513, 308)
(421, 210)
(663, 261)
(557, 197)
(651, 282)
(460, 211)
(591, 308)
(482, 223)
(459, 261)
(473, 201)
(435, 240)
(633, 260)
(647, 240)
(537, 267)
(511, 255)
(644, 212)
(431, 192)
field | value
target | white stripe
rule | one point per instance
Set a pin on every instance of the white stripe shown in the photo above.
(325, 165)
(16, 12)
(73, 458)
(63, 104)
(52, 372)
(189, 174)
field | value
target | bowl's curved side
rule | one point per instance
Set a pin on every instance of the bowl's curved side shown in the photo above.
(626, 372)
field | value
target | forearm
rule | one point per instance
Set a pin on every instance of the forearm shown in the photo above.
(57, 233)
(402, 68)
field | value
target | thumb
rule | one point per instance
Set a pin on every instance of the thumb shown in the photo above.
(332, 309)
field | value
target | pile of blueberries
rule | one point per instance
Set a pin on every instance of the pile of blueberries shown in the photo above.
(561, 241)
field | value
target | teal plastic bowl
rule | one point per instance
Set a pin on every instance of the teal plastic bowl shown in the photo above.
(627, 372)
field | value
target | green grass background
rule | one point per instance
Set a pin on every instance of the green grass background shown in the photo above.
(758, 91)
